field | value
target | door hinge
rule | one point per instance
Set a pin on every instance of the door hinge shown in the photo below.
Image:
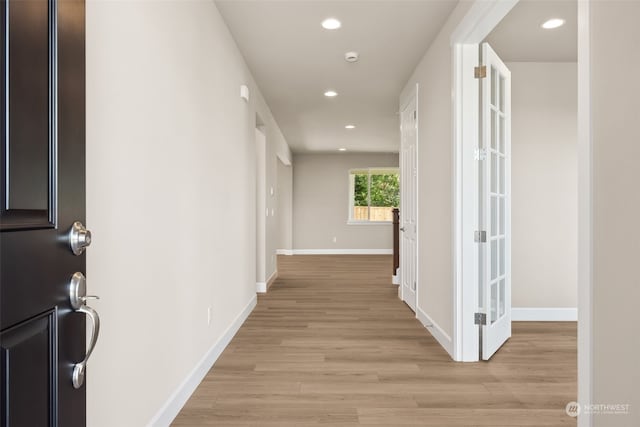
(480, 236)
(480, 154)
(480, 319)
(415, 115)
(480, 72)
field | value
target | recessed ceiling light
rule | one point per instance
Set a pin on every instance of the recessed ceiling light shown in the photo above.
(330, 93)
(351, 56)
(342, 149)
(331, 24)
(553, 23)
(350, 127)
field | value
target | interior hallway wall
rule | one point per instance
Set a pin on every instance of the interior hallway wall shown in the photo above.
(321, 202)
(284, 210)
(435, 196)
(171, 172)
(544, 180)
(615, 103)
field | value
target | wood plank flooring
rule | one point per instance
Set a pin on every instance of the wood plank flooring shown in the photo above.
(331, 344)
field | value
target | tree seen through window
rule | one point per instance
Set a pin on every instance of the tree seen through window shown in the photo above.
(375, 194)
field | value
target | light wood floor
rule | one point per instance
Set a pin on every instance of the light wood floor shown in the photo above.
(331, 344)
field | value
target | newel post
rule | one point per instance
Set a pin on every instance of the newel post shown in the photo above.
(396, 240)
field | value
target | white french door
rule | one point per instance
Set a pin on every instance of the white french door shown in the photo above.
(408, 203)
(495, 206)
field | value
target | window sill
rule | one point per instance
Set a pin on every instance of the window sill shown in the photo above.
(369, 222)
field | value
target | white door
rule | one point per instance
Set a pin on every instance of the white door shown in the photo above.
(408, 202)
(495, 206)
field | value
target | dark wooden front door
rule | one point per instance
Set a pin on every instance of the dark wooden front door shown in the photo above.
(42, 193)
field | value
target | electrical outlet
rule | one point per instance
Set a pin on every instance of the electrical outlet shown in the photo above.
(209, 316)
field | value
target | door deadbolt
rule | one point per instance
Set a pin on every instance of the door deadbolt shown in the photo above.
(79, 238)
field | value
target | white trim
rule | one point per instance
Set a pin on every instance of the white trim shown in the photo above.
(435, 330)
(544, 314)
(465, 203)
(284, 251)
(479, 21)
(261, 287)
(343, 251)
(179, 397)
(585, 215)
(350, 222)
(272, 278)
(285, 160)
(395, 279)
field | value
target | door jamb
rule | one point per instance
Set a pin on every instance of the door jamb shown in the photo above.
(482, 17)
(585, 215)
(411, 95)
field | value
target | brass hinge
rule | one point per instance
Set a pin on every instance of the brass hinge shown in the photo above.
(480, 72)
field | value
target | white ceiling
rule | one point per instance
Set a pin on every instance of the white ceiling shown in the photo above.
(294, 61)
(519, 36)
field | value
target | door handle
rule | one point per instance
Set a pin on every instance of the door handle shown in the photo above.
(402, 229)
(79, 238)
(78, 297)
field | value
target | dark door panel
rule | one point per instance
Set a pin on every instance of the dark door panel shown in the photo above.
(42, 193)
(29, 362)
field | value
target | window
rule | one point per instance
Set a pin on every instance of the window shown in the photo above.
(373, 193)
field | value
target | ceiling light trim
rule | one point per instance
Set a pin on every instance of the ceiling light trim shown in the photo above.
(331, 24)
(553, 23)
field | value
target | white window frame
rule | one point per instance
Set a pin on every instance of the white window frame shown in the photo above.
(350, 177)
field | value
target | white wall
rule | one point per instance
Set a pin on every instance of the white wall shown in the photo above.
(544, 184)
(321, 202)
(284, 211)
(615, 105)
(435, 214)
(170, 197)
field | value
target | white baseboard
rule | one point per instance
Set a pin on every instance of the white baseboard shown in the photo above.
(272, 278)
(261, 287)
(178, 398)
(395, 280)
(436, 331)
(343, 251)
(284, 251)
(534, 314)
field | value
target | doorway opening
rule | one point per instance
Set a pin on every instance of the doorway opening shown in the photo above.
(261, 207)
(546, 195)
(408, 290)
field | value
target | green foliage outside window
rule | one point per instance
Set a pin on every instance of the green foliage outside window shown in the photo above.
(361, 190)
(385, 190)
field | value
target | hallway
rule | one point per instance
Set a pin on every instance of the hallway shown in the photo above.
(331, 344)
